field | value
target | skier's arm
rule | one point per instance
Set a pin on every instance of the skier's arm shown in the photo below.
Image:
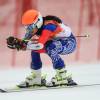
(40, 44)
(48, 30)
(26, 43)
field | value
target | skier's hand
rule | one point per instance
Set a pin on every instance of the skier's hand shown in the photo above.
(15, 43)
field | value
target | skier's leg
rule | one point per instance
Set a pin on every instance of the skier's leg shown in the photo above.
(58, 65)
(53, 49)
(36, 62)
(35, 77)
(68, 46)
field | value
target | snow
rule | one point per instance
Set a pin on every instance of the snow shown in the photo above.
(83, 74)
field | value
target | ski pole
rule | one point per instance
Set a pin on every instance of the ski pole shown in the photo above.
(83, 36)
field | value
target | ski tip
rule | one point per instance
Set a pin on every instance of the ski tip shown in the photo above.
(2, 91)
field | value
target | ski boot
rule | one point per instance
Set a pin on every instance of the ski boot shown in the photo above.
(35, 79)
(61, 78)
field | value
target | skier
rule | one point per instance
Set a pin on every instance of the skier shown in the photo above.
(49, 35)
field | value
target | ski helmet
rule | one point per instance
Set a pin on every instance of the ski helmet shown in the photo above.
(32, 17)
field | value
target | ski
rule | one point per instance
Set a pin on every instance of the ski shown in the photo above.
(16, 89)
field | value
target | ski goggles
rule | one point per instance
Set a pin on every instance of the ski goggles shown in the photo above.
(32, 26)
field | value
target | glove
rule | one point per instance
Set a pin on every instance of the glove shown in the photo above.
(15, 43)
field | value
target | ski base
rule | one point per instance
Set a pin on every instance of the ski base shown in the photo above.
(16, 89)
